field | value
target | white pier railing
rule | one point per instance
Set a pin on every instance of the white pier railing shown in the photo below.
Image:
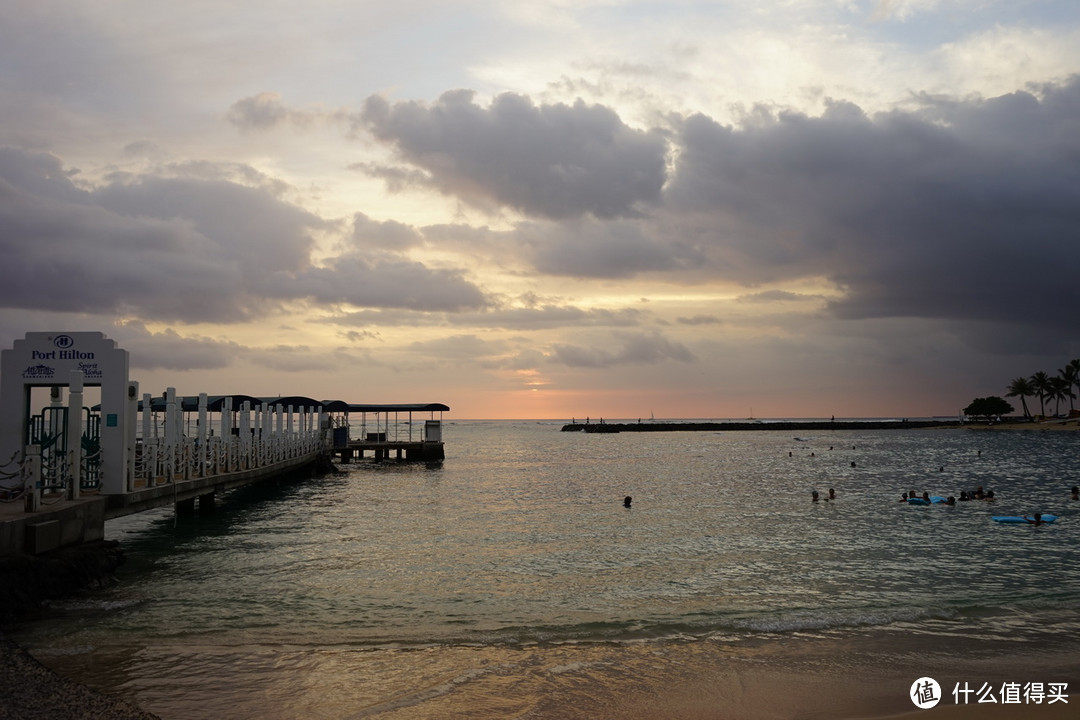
(227, 441)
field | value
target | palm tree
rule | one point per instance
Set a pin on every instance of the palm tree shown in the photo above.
(1071, 374)
(1040, 383)
(1059, 390)
(1021, 387)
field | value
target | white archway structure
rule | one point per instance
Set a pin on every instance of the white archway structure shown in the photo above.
(71, 359)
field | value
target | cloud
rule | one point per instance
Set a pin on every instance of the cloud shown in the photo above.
(588, 248)
(699, 320)
(259, 112)
(555, 161)
(956, 210)
(384, 282)
(168, 350)
(370, 234)
(191, 249)
(549, 316)
(64, 252)
(625, 349)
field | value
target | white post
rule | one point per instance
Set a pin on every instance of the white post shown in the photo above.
(245, 433)
(292, 435)
(74, 432)
(149, 447)
(131, 412)
(204, 435)
(170, 432)
(279, 444)
(32, 477)
(226, 432)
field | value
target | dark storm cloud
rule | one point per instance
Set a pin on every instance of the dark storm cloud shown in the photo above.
(186, 249)
(371, 234)
(623, 349)
(550, 316)
(555, 161)
(588, 248)
(168, 350)
(543, 316)
(385, 282)
(64, 252)
(960, 209)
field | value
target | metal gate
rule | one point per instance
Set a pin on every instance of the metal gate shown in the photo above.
(49, 432)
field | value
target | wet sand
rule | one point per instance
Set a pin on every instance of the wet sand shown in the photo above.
(1072, 425)
(802, 677)
(31, 691)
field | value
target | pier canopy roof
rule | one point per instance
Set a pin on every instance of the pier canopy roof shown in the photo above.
(216, 403)
(400, 407)
(190, 403)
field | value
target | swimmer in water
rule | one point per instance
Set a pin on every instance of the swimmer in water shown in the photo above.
(626, 501)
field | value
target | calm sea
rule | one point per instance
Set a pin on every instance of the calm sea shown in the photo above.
(510, 581)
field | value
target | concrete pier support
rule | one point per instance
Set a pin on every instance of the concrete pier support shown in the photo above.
(185, 507)
(207, 502)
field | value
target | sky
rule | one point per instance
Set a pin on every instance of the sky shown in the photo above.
(551, 208)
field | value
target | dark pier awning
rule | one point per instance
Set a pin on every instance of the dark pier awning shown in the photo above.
(400, 407)
(216, 403)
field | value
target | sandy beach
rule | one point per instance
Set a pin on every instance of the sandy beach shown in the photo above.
(32, 691)
(1070, 425)
(792, 678)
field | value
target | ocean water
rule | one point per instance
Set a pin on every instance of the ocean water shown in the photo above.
(510, 581)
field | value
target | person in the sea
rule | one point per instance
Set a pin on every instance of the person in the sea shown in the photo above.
(951, 500)
(813, 496)
(1075, 492)
(989, 497)
(979, 494)
(626, 501)
(926, 496)
(903, 498)
(1037, 520)
(832, 494)
(964, 496)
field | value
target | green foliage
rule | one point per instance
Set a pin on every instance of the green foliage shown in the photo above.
(988, 407)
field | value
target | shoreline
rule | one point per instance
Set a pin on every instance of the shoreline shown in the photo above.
(803, 676)
(33, 691)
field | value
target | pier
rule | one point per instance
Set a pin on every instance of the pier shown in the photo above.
(66, 468)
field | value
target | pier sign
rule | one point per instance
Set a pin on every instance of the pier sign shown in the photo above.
(53, 359)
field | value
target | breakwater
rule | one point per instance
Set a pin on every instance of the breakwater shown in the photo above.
(785, 425)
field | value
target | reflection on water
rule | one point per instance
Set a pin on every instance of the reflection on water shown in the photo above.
(511, 573)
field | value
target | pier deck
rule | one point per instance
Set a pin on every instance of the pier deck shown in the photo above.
(61, 521)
